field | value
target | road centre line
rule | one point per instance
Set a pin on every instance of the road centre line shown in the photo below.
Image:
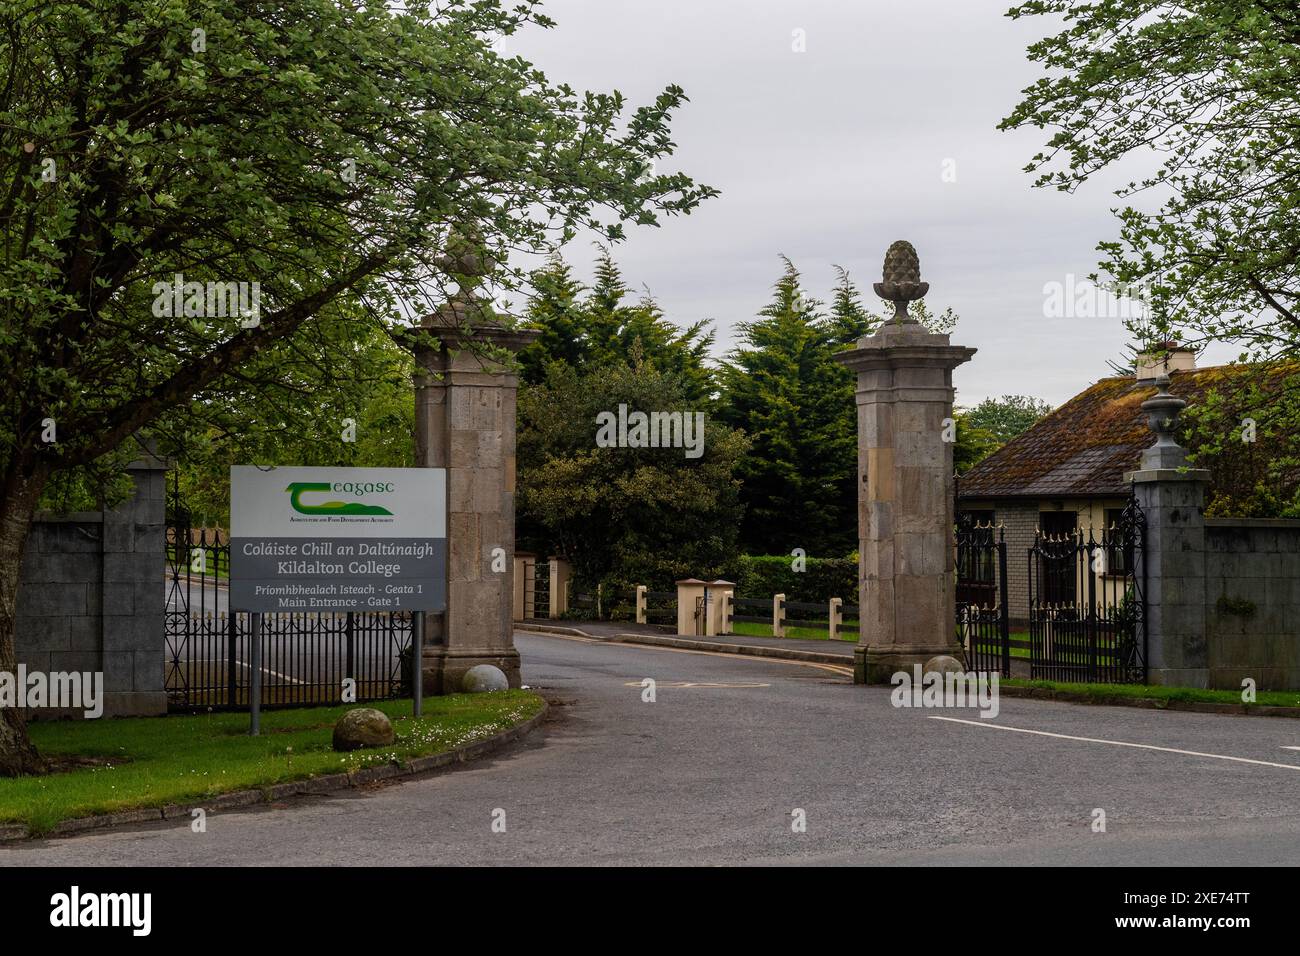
(1117, 743)
(724, 685)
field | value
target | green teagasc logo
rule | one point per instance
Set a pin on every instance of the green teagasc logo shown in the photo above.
(299, 488)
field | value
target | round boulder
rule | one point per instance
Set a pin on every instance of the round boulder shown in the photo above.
(943, 664)
(482, 678)
(363, 727)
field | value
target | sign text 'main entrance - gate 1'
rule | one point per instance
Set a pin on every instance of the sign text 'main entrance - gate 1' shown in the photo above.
(338, 539)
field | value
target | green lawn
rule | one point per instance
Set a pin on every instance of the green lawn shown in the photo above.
(848, 631)
(1275, 698)
(182, 759)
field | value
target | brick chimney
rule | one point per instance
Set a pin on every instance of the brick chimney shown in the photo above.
(1163, 358)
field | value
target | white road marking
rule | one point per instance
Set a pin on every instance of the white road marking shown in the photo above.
(692, 683)
(1291, 748)
(247, 667)
(1120, 743)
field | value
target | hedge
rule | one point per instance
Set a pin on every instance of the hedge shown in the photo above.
(761, 576)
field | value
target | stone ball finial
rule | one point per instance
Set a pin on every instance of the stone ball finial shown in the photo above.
(901, 279)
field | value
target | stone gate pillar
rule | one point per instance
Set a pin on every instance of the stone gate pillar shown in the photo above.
(465, 393)
(1172, 498)
(906, 566)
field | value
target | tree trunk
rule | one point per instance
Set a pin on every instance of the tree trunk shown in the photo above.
(21, 492)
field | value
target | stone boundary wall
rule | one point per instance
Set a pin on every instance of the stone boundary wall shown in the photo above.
(1252, 602)
(91, 595)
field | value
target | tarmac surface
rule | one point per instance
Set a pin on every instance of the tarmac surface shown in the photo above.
(716, 768)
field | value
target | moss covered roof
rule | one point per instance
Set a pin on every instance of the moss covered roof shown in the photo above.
(1083, 448)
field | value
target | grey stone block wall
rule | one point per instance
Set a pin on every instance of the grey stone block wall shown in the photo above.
(1019, 521)
(91, 596)
(1252, 602)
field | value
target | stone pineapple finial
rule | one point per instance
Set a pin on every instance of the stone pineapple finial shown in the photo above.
(902, 279)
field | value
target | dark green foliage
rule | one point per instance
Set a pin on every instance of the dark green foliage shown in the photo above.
(783, 386)
(973, 444)
(1246, 431)
(761, 576)
(784, 389)
(597, 327)
(623, 516)
(1006, 417)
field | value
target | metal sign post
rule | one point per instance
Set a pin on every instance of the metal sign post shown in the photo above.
(255, 680)
(417, 662)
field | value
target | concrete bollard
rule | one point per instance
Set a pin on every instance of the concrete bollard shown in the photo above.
(640, 603)
(558, 593)
(836, 618)
(778, 615)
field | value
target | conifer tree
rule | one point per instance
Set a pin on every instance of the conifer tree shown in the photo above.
(785, 390)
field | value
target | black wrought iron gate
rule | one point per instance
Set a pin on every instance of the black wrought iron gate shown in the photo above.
(1087, 602)
(982, 623)
(305, 656)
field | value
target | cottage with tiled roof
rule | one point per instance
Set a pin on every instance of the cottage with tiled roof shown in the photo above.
(1066, 473)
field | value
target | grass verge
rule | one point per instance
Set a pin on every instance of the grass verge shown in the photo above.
(848, 632)
(183, 759)
(1104, 692)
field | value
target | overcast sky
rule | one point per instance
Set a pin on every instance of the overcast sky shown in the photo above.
(829, 155)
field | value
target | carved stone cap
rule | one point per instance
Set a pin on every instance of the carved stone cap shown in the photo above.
(455, 327)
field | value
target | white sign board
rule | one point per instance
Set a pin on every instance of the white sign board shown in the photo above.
(338, 539)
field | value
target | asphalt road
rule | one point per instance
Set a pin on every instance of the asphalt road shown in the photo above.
(710, 774)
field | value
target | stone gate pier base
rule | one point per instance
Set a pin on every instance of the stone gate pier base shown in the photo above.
(907, 568)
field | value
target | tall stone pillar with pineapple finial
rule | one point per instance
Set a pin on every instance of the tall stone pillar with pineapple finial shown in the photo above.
(465, 393)
(906, 566)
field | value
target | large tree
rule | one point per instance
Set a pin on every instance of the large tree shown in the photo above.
(322, 148)
(341, 395)
(783, 386)
(1006, 417)
(625, 515)
(589, 328)
(784, 389)
(1206, 95)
